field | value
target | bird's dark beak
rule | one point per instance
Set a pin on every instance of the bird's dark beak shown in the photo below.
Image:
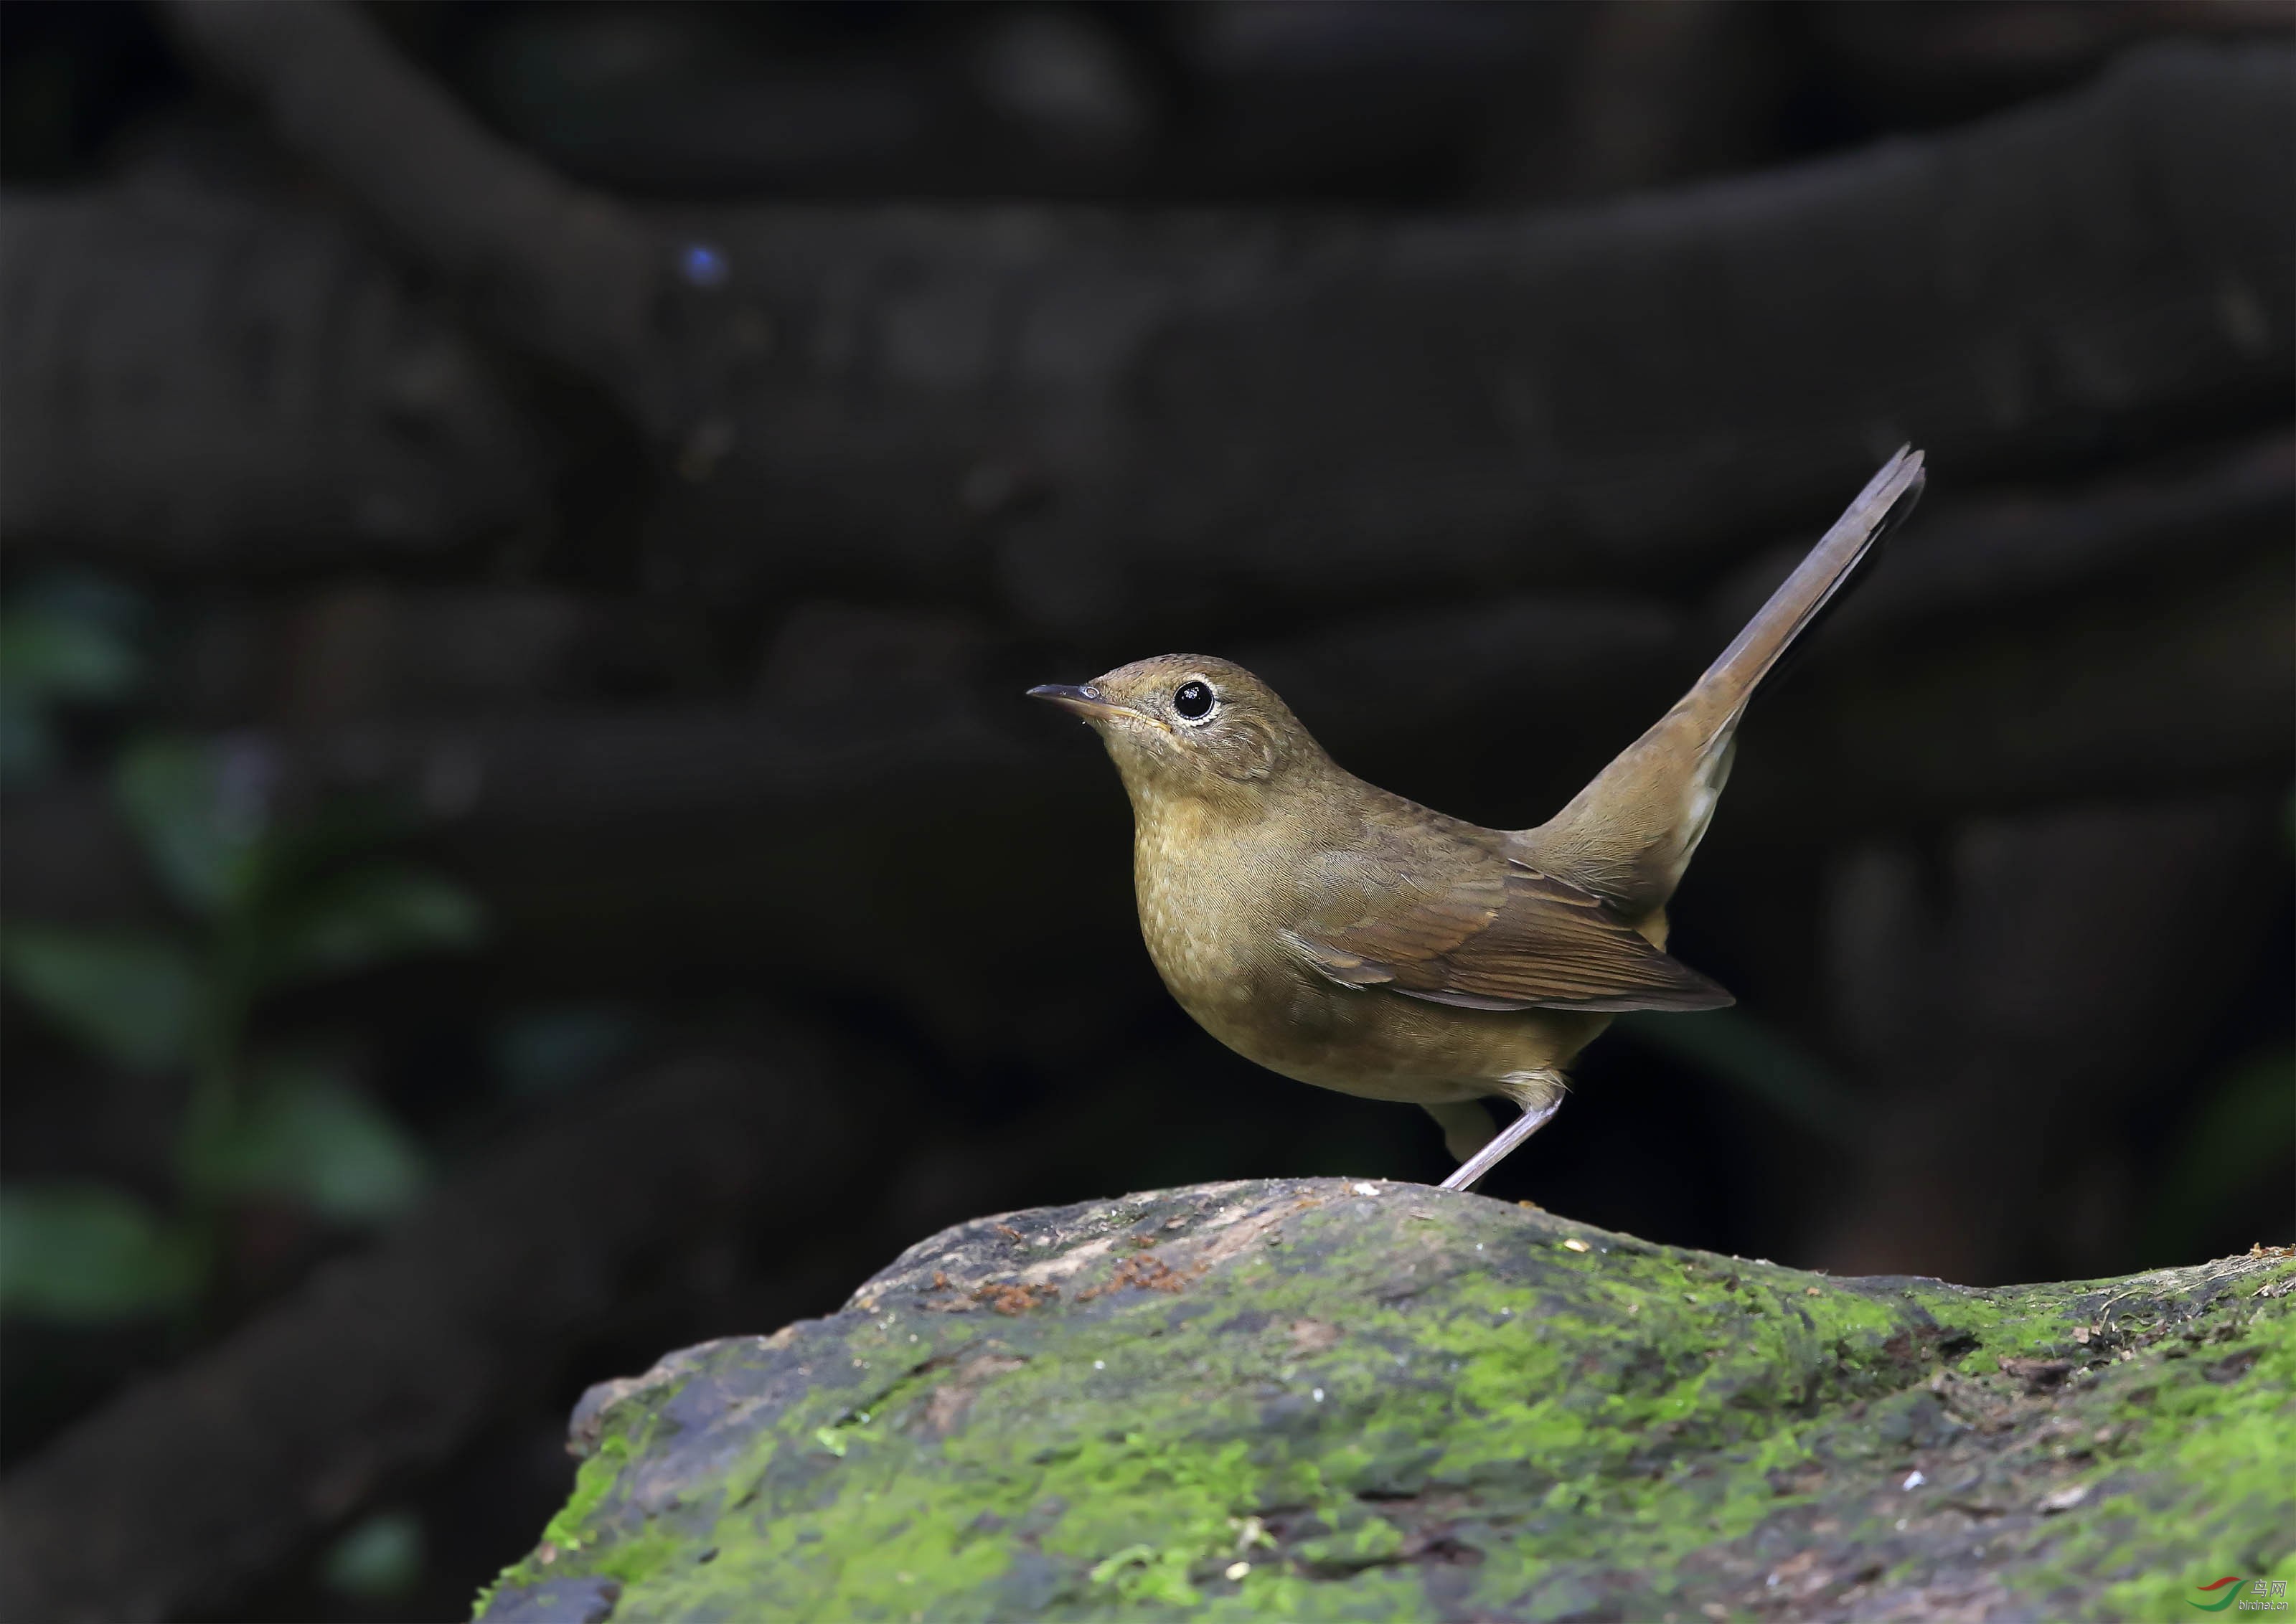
(1085, 702)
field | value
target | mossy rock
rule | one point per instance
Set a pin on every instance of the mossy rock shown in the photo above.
(1319, 1399)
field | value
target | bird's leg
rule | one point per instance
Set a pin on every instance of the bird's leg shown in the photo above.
(1497, 1151)
(1466, 1126)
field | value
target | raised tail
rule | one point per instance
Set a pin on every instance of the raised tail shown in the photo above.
(1628, 834)
(1721, 694)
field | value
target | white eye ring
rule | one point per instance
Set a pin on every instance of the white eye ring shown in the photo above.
(1211, 701)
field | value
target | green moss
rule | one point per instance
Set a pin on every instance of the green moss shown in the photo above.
(2207, 1457)
(591, 1484)
(1327, 1405)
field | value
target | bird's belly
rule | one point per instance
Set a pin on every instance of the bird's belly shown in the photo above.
(1272, 1008)
(1220, 956)
(1386, 1045)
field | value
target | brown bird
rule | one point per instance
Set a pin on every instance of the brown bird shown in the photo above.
(1349, 938)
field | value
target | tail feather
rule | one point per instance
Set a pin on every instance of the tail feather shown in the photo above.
(1629, 834)
(1735, 674)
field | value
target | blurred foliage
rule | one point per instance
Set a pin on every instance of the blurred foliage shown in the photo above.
(538, 1051)
(82, 1253)
(267, 904)
(198, 817)
(1740, 1049)
(64, 642)
(363, 917)
(379, 1560)
(129, 995)
(2243, 1134)
(306, 1135)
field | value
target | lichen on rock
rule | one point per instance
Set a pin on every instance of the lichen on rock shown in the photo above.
(1334, 1399)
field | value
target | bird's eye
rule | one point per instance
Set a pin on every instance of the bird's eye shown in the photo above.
(1193, 701)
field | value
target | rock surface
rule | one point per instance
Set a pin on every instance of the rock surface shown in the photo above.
(1329, 1398)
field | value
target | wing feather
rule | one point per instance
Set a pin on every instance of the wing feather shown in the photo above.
(1499, 934)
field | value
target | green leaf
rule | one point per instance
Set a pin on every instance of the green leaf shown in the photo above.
(540, 1051)
(347, 829)
(312, 1137)
(47, 654)
(380, 1558)
(131, 995)
(85, 1254)
(27, 744)
(55, 646)
(364, 918)
(199, 813)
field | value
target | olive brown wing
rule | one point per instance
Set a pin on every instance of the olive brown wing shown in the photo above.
(1494, 933)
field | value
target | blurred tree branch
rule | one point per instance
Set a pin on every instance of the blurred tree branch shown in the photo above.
(2017, 649)
(570, 271)
(203, 381)
(1142, 424)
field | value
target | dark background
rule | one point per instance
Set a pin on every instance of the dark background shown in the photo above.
(526, 526)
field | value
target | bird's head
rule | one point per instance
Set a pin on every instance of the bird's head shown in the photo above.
(1189, 726)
